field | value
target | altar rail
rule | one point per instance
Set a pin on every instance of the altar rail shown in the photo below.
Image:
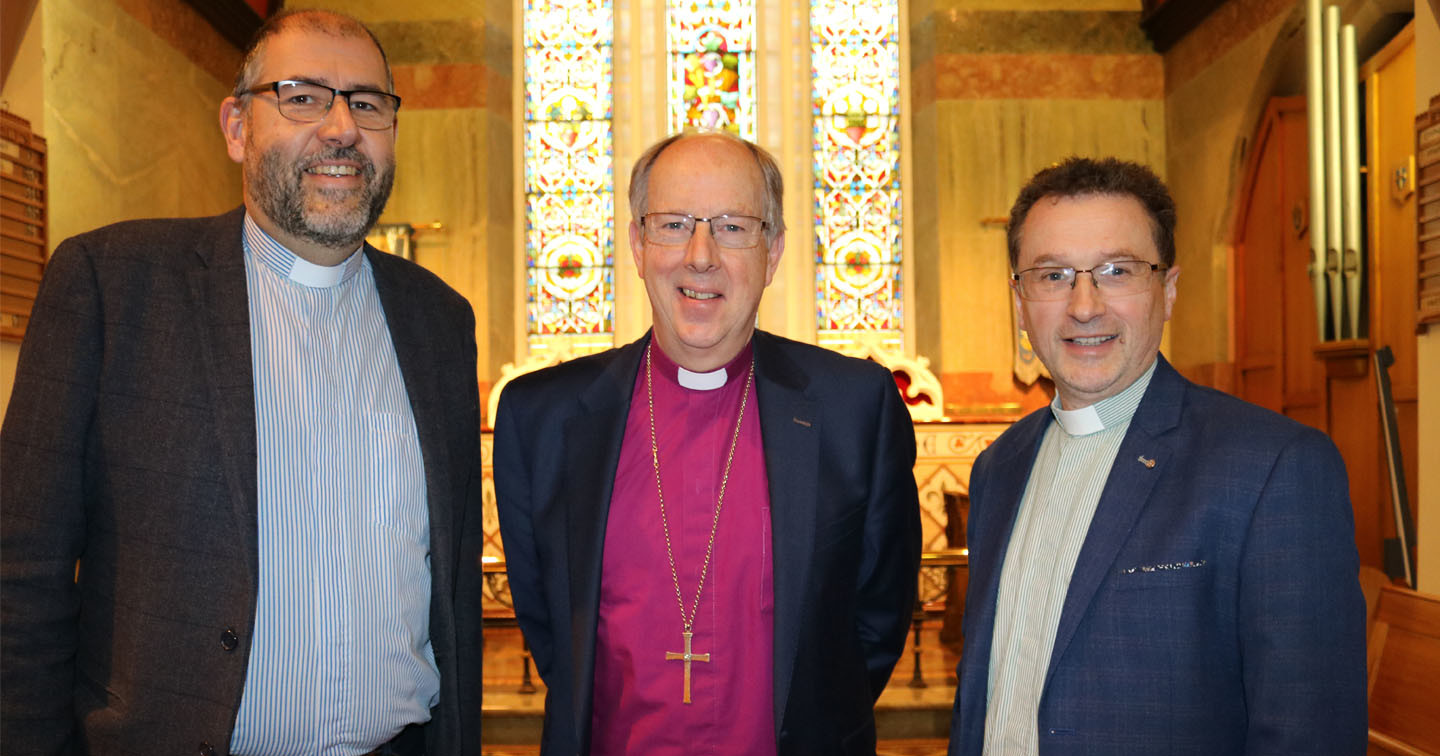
(945, 452)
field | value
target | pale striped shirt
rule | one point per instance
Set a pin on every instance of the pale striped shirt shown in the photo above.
(340, 658)
(1050, 527)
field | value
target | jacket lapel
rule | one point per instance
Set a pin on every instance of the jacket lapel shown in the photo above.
(789, 428)
(996, 506)
(592, 449)
(1127, 492)
(413, 338)
(222, 309)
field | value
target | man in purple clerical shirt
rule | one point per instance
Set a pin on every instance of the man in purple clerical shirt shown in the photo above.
(711, 534)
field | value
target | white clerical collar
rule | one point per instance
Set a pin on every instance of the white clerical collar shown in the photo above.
(292, 266)
(1078, 422)
(1106, 413)
(701, 381)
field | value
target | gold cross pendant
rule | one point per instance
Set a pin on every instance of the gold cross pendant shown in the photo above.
(687, 657)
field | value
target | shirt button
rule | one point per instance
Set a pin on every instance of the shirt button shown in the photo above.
(228, 641)
(206, 749)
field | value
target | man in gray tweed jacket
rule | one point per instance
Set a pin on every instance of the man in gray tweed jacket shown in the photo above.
(258, 439)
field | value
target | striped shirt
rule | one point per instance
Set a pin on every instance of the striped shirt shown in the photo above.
(1050, 527)
(340, 658)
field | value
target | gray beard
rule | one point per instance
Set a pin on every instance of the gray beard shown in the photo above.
(336, 220)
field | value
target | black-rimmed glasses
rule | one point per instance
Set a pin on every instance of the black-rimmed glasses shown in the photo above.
(308, 102)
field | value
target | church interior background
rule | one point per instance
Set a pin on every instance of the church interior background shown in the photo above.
(904, 130)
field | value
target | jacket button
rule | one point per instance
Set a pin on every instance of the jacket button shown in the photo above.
(206, 749)
(228, 641)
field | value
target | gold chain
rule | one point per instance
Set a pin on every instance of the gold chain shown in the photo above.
(689, 623)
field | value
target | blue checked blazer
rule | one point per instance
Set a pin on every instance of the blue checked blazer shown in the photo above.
(1256, 646)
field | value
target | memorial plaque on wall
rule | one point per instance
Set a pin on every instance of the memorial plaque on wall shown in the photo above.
(22, 222)
(1427, 211)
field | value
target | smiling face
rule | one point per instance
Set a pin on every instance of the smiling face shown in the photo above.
(703, 297)
(315, 187)
(1095, 346)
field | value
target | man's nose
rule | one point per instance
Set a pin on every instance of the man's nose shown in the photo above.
(701, 250)
(1086, 301)
(338, 125)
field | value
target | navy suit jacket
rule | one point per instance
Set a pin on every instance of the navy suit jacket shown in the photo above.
(1259, 650)
(839, 448)
(130, 446)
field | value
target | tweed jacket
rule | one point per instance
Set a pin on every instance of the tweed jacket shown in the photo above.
(130, 446)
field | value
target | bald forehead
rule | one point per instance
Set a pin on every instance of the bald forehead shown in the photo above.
(702, 155)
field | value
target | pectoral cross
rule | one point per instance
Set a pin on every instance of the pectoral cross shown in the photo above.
(687, 657)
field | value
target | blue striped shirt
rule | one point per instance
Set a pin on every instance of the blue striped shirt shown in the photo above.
(340, 659)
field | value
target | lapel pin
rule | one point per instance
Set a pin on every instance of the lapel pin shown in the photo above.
(1148, 463)
(798, 421)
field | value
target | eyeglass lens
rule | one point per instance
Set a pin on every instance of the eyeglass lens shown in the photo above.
(1113, 278)
(302, 101)
(731, 231)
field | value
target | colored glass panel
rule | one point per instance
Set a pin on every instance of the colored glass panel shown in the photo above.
(855, 69)
(712, 65)
(569, 173)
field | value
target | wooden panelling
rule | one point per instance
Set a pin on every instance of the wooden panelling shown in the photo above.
(1404, 663)
(1390, 95)
(1354, 422)
(1279, 362)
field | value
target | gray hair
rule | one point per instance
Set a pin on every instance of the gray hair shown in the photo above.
(306, 19)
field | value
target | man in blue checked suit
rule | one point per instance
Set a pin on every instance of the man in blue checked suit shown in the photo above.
(258, 437)
(1155, 567)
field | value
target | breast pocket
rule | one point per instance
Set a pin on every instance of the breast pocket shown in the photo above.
(1164, 575)
(395, 488)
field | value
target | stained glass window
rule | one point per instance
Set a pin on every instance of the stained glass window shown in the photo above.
(712, 65)
(569, 176)
(855, 69)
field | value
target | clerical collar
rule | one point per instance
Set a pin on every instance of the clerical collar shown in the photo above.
(1106, 413)
(292, 266)
(701, 381)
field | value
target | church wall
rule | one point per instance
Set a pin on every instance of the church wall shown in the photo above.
(22, 95)
(1218, 79)
(999, 91)
(1427, 85)
(453, 66)
(132, 91)
(82, 77)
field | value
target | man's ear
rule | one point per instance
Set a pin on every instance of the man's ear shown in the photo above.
(232, 126)
(636, 251)
(1019, 309)
(1171, 277)
(772, 256)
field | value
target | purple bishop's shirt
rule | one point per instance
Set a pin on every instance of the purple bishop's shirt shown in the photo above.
(638, 693)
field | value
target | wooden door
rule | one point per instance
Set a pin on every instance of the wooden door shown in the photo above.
(1275, 313)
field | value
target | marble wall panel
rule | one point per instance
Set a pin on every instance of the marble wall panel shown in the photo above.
(920, 8)
(1000, 91)
(982, 152)
(132, 122)
(455, 150)
(445, 173)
